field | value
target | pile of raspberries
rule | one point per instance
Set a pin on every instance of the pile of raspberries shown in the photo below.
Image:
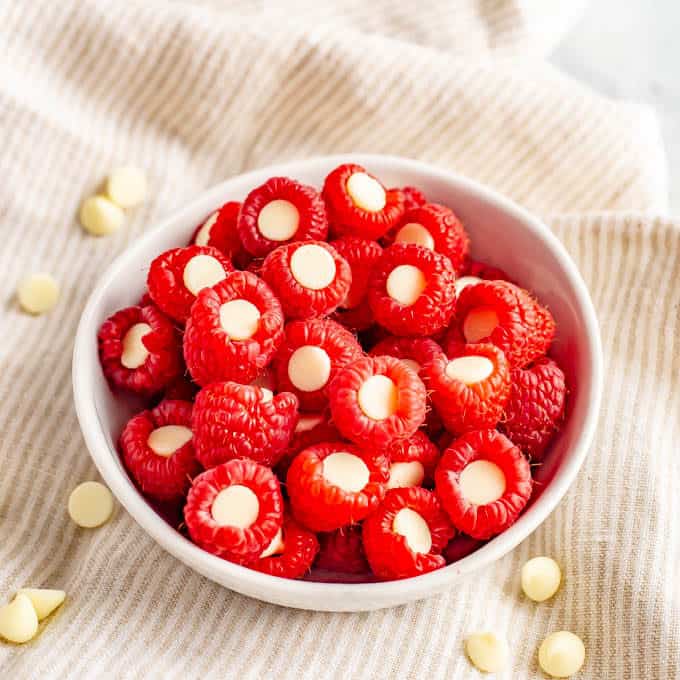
(334, 388)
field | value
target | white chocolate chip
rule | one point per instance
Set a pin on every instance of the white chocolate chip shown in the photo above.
(203, 234)
(345, 470)
(415, 233)
(134, 351)
(276, 547)
(278, 220)
(235, 506)
(411, 525)
(202, 271)
(312, 266)
(127, 186)
(239, 319)
(541, 577)
(479, 324)
(488, 652)
(412, 364)
(469, 369)
(267, 394)
(378, 397)
(309, 368)
(38, 293)
(165, 440)
(44, 600)
(90, 504)
(307, 423)
(482, 482)
(405, 283)
(18, 620)
(464, 282)
(100, 216)
(366, 192)
(561, 654)
(408, 473)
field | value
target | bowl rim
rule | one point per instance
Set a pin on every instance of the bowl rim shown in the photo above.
(281, 590)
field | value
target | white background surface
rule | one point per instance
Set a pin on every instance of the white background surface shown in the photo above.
(631, 49)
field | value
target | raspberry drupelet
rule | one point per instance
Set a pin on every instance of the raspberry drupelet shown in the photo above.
(411, 290)
(335, 484)
(139, 350)
(483, 482)
(280, 211)
(219, 231)
(158, 451)
(405, 536)
(377, 400)
(414, 352)
(413, 198)
(310, 278)
(235, 510)
(234, 330)
(412, 461)
(177, 276)
(359, 205)
(342, 551)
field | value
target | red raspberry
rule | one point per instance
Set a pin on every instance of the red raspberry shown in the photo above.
(361, 254)
(219, 231)
(309, 358)
(484, 271)
(309, 278)
(414, 352)
(177, 275)
(359, 205)
(377, 400)
(411, 290)
(231, 521)
(334, 484)
(437, 228)
(234, 330)
(413, 197)
(536, 406)
(507, 316)
(412, 461)
(291, 553)
(139, 350)
(158, 451)
(483, 482)
(281, 211)
(470, 389)
(242, 421)
(181, 388)
(406, 534)
(459, 547)
(342, 551)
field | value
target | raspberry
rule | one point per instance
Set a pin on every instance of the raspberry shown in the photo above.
(139, 350)
(281, 211)
(412, 461)
(361, 254)
(310, 279)
(437, 228)
(536, 406)
(359, 205)
(334, 484)
(158, 451)
(294, 551)
(181, 388)
(309, 358)
(241, 421)
(411, 290)
(507, 316)
(234, 330)
(413, 198)
(406, 534)
(459, 547)
(342, 551)
(177, 275)
(377, 400)
(483, 482)
(219, 231)
(414, 352)
(469, 389)
(234, 510)
(484, 271)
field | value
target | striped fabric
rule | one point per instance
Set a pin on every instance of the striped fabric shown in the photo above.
(196, 92)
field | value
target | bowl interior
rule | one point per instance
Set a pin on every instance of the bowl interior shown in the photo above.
(501, 234)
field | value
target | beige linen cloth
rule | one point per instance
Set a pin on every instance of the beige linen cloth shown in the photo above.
(197, 92)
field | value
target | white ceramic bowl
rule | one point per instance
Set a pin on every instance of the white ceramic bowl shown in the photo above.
(502, 234)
